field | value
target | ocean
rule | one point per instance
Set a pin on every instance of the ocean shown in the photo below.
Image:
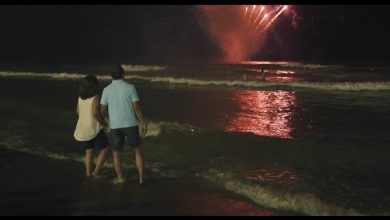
(307, 138)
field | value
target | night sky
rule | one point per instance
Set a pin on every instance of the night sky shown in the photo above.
(110, 34)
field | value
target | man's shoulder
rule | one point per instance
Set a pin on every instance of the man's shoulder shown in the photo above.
(129, 85)
(126, 82)
(107, 87)
(121, 84)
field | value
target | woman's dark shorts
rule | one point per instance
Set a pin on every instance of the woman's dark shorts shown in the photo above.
(100, 141)
(118, 138)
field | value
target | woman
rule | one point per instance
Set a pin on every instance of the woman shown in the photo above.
(89, 128)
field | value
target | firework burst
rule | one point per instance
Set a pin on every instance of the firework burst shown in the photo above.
(238, 30)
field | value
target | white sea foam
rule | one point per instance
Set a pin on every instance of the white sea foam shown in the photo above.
(142, 68)
(155, 128)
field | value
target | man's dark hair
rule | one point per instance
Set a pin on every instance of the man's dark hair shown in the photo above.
(89, 87)
(118, 73)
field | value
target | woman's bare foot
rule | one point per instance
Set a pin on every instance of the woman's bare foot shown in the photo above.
(96, 175)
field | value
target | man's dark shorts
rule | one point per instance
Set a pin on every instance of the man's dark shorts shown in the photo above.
(118, 138)
(99, 142)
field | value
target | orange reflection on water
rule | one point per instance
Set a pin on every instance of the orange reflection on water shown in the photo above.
(283, 177)
(264, 113)
(216, 204)
(273, 75)
(284, 72)
(268, 62)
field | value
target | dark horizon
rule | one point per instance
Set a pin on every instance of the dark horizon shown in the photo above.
(108, 34)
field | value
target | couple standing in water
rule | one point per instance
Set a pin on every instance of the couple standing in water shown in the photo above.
(121, 100)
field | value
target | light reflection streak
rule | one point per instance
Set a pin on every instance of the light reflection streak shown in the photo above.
(283, 177)
(263, 113)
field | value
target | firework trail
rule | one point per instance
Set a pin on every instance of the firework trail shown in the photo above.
(274, 18)
(258, 15)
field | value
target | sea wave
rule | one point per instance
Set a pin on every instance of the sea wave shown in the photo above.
(342, 86)
(268, 196)
(345, 86)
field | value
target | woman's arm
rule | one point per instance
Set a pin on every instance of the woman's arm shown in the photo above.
(96, 111)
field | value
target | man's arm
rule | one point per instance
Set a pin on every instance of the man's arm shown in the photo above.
(103, 111)
(104, 104)
(140, 117)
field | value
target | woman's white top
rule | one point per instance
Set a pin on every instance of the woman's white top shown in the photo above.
(87, 126)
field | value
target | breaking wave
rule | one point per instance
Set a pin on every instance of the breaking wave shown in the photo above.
(343, 86)
(268, 196)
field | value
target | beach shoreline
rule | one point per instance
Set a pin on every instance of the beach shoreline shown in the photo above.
(37, 185)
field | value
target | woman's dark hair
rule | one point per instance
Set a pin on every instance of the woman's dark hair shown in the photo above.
(89, 87)
(118, 73)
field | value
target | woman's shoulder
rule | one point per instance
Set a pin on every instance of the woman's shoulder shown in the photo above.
(96, 98)
(89, 99)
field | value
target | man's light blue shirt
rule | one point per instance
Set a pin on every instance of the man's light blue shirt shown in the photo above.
(119, 96)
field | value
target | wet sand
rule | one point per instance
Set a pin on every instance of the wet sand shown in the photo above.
(36, 185)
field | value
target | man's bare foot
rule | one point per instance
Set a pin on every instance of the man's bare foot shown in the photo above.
(118, 181)
(142, 181)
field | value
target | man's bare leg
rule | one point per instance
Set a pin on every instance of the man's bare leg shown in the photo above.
(118, 167)
(140, 164)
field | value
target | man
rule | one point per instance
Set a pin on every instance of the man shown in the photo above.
(124, 111)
